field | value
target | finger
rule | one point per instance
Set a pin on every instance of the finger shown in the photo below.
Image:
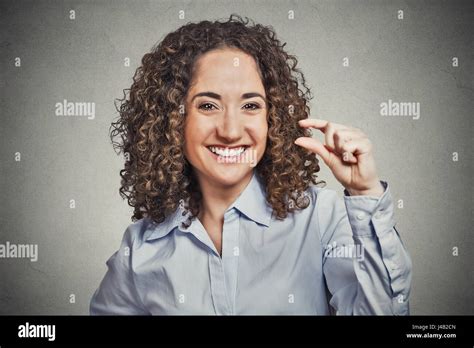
(320, 124)
(313, 123)
(349, 157)
(315, 146)
(328, 128)
(330, 136)
(341, 136)
(357, 146)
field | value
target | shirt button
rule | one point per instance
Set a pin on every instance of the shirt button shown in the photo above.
(378, 214)
(360, 216)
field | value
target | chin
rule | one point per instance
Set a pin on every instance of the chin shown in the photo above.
(229, 174)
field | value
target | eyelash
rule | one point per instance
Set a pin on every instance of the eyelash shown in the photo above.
(256, 106)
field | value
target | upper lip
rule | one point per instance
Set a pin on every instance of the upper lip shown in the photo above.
(227, 146)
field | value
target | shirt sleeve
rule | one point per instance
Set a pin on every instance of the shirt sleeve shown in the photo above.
(117, 294)
(375, 277)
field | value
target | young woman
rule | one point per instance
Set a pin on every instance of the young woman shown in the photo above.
(221, 171)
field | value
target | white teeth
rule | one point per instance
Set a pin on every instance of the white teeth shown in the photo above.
(226, 152)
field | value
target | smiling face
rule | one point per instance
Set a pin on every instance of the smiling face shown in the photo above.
(226, 117)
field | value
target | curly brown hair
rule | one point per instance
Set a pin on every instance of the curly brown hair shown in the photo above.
(149, 131)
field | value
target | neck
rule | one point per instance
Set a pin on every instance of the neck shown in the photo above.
(217, 198)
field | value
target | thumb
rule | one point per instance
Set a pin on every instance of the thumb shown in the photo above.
(315, 146)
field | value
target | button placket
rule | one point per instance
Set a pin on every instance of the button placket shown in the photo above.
(218, 286)
(216, 269)
(230, 253)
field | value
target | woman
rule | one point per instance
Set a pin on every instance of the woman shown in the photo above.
(221, 172)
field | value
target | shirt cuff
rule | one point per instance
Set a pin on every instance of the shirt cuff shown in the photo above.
(369, 215)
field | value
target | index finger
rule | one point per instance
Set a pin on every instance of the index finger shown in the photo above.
(314, 123)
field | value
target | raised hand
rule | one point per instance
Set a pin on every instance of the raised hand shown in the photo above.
(348, 153)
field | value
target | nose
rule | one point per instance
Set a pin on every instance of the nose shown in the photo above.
(230, 126)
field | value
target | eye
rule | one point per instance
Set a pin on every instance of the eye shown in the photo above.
(251, 106)
(206, 107)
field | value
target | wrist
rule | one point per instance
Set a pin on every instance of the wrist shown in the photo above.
(376, 190)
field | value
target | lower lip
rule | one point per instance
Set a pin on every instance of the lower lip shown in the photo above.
(228, 159)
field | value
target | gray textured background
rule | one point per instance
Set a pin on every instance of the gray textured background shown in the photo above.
(67, 158)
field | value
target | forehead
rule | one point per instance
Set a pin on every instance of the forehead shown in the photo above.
(227, 70)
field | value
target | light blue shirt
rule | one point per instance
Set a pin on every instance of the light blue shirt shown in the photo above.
(334, 257)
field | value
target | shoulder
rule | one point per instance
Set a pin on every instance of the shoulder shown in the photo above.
(137, 232)
(132, 239)
(328, 206)
(323, 197)
(147, 230)
(328, 211)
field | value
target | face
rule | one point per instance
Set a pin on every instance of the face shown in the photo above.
(226, 117)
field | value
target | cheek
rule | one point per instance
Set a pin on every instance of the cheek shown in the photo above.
(259, 131)
(196, 130)
(262, 129)
(190, 137)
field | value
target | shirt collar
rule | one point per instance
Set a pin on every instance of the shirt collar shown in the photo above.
(155, 231)
(251, 202)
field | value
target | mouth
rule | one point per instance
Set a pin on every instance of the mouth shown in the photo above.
(227, 152)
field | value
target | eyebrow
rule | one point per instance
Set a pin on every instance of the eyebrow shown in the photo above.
(217, 96)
